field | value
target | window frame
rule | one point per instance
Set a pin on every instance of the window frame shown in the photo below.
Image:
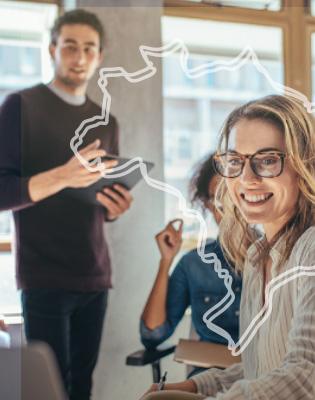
(310, 29)
(5, 246)
(294, 18)
(56, 2)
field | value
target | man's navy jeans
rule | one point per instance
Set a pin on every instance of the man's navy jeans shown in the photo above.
(71, 323)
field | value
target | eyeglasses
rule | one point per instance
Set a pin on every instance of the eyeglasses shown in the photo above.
(266, 164)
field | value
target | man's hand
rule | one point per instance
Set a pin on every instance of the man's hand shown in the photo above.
(76, 175)
(117, 201)
(71, 174)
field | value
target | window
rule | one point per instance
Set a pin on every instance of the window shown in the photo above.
(24, 62)
(5, 225)
(281, 36)
(195, 109)
(271, 5)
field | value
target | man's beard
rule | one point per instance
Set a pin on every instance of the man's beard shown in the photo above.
(72, 83)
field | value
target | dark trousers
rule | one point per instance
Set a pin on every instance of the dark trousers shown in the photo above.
(71, 323)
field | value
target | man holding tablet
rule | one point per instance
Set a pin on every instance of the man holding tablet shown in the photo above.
(63, 263)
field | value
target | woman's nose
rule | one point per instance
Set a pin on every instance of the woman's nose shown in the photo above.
(248, 175)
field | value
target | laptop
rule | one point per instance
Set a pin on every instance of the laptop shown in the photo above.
(30, 373)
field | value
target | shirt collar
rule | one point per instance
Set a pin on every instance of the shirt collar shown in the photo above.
(67, 97)
(254, 259)
(276, 253)
(253, 252)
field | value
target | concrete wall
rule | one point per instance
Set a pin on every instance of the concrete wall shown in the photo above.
(138, 108)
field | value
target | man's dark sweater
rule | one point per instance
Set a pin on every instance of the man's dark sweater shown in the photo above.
(60, 241)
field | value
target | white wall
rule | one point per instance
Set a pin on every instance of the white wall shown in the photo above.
(138, 108)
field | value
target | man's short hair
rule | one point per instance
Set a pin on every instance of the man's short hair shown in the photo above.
(78, 16)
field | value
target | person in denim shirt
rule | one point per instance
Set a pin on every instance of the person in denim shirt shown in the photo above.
(193, 282)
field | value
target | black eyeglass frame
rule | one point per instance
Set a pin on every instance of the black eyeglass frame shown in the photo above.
(243, 158)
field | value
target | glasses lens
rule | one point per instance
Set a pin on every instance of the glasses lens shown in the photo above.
(267, 165)
(229, 165)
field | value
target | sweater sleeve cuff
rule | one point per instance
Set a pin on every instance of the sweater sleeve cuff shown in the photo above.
(25, 195)
(17, 193)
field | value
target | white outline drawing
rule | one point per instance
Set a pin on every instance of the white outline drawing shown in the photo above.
(267, 308)
(220, 65)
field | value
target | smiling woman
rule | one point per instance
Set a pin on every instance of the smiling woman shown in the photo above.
(273, 124)
(267, 159)
(279, 195)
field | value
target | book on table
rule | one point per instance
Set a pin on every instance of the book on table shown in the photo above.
(204, 354)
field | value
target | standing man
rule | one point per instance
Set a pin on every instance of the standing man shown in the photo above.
(63, 264)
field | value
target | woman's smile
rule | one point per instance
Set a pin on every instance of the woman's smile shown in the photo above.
(271, 202)
(256, 198)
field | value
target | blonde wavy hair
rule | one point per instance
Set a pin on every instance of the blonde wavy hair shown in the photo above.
(298, 128)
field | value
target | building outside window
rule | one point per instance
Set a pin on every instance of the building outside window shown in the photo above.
(195, 109)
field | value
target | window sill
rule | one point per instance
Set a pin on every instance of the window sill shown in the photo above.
(12, 315)
(5, 246)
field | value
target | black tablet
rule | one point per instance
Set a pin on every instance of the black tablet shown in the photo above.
(127, 174)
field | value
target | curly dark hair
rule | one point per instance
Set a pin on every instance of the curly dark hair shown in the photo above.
(78, 16)
(203, 173)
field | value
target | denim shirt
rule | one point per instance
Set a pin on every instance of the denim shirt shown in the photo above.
(196, 283)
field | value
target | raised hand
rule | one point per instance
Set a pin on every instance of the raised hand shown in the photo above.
(72, 174)
(169, 240)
